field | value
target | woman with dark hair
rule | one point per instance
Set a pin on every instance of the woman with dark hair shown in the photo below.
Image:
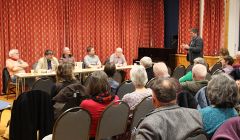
(64, 76)
(99, 90)
(222, 92)
(110, 70)
(227, 62)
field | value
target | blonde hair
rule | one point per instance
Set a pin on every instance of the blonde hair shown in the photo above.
(160, 70)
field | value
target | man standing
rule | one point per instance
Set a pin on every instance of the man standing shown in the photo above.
(195, 49)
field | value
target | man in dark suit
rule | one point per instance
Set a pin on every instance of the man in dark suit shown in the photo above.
(195, 48)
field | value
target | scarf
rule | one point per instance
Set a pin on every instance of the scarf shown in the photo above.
(105, 97)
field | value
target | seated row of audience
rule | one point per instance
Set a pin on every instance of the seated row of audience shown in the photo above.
(222, 92)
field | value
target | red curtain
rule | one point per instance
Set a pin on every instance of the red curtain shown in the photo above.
(213, 26)
(33, 26)
(128, 24)
(189, 14)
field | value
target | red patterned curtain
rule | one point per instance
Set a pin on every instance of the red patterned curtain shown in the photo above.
(189, 14)
(213, 26)
(32, 26)
(128, 24)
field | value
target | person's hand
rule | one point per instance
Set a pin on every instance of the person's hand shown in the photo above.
(185, 46)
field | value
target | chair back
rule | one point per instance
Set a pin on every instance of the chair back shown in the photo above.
(32, 112)
(124, 88)
(5, 80)
(218, 71)
(141, 110)
(113, 120)
(216, 66)
(189, 68)
(73, 124)
(197, 135)
(44, 84)
(179, 72)
(150, 83)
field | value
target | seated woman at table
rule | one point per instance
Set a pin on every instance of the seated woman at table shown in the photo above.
(14, 64)
(99, 90)
(65, 77)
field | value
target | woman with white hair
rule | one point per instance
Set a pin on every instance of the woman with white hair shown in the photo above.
(148, 65)
(14, 64)
(138, 76)
(66, 56)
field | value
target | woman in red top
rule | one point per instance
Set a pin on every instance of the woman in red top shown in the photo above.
(101, 97)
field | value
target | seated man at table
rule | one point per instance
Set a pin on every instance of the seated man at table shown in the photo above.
(91, 60)
(14, 64)
(118, 58)
(48, 62)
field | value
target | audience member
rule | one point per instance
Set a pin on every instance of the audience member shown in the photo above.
(48, 62)
(66, 56)
(237, 62)
(227, 62)
(138, 76)
(223, 52)
(14, 64)
(99, 90)
(168, 121)
(160, 70)
(222, 92)
(110, 70)
(118, 58)
(188, 76)
(148, 65)
(91, 60)
(64, 76)
(199, 73)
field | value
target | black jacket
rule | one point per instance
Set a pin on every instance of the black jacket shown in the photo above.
(196, 49)
(32, 111)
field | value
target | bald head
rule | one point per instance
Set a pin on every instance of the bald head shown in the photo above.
(160, 70)
(199, 72)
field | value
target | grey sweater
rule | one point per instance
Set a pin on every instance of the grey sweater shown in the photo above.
(168, 123)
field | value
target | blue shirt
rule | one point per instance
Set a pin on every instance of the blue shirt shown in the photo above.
(213, 117)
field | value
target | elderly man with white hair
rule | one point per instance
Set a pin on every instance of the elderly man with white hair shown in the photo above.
(199, 73)
(148, 65)
(160, 70)
(66, 56)
(138, 76)
(14, 64)
(118, 58)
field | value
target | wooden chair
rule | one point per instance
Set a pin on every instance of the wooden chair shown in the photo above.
(8, 86)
